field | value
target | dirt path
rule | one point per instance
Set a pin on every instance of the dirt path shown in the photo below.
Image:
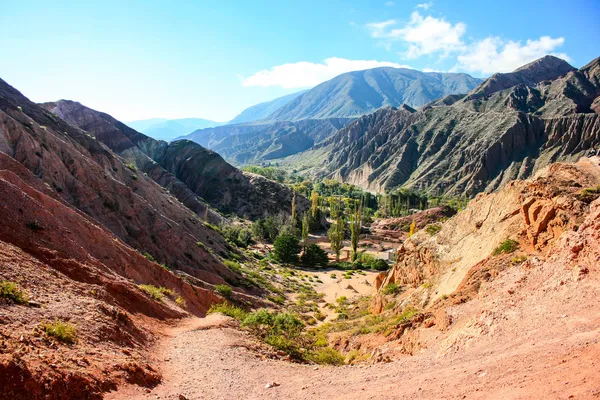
(207, 359)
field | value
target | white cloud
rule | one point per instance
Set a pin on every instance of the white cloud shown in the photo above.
(423, 35)
(378, 29)
(425, 6)
(496, 55)
(390, 4)
(306, 74)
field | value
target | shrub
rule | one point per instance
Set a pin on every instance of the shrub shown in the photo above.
(149, 257)
(506, 247)
(229, 310)
(286, 248)
(157, 293)
(333, 276)
(433, 229)
(392, 288)
(314, 256)
(10, 290)
(181, 302)
(277, 299)
(380, 265)
(223, 290)
(327, 355)
(588, 195)
(131, 167)
(63, 331)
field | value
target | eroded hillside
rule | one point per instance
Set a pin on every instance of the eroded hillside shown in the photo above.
(510, 127)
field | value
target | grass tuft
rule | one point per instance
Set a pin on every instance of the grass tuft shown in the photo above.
(63, 331)
(11, 291)
(157, 293)
(506, 247)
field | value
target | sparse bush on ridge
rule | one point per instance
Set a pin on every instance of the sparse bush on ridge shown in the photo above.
(157, 293)
(224, 290)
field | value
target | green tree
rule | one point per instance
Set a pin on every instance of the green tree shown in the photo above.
(355, 225)
(314, 256)
(293, 207)
(286, 248)
(305, 226)
(271, 228)
(314, 199)
(259, 232)
(336, 231)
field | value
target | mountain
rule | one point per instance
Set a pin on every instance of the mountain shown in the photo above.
(257, 142)
(354, 94)
(65, 171)
(545, 68)
(467, 144)
(263, 110)
(294, 123)
(169, 129)
(191, 172)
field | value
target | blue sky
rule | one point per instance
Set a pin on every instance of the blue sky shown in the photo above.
(212, 59)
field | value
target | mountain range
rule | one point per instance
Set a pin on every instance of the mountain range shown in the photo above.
(262, 111)
(293, 123)
(509, 127)
(169, 129)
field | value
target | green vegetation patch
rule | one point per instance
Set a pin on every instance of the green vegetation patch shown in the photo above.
(224, 290)
(11, 291)
(157, 293)
(392, 288)
(63, 331)
(506, 247)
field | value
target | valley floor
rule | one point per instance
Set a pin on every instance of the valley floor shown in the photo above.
(210, 359)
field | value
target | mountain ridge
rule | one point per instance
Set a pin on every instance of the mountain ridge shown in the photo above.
(465, 145)
(169, 129)
(356, 93)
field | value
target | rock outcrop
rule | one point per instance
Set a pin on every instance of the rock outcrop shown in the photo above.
(538, 214)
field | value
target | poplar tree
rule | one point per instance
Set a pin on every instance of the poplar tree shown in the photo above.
(293, 207)
(336, 231)
(314, 198)
(355, 224)
(305, 231)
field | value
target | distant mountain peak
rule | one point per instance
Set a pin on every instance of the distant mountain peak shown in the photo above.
(545, 63)
(543, 69)
(356, 93)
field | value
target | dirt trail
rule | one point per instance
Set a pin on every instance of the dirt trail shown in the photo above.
(208, 359)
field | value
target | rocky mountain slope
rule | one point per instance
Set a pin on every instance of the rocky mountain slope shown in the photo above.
(538, 237)
(79, 232)
(169, 129)
(192, 173)
(468, 144)
(251, 143)
(353, 94)
(262, 110)
(454, 319)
